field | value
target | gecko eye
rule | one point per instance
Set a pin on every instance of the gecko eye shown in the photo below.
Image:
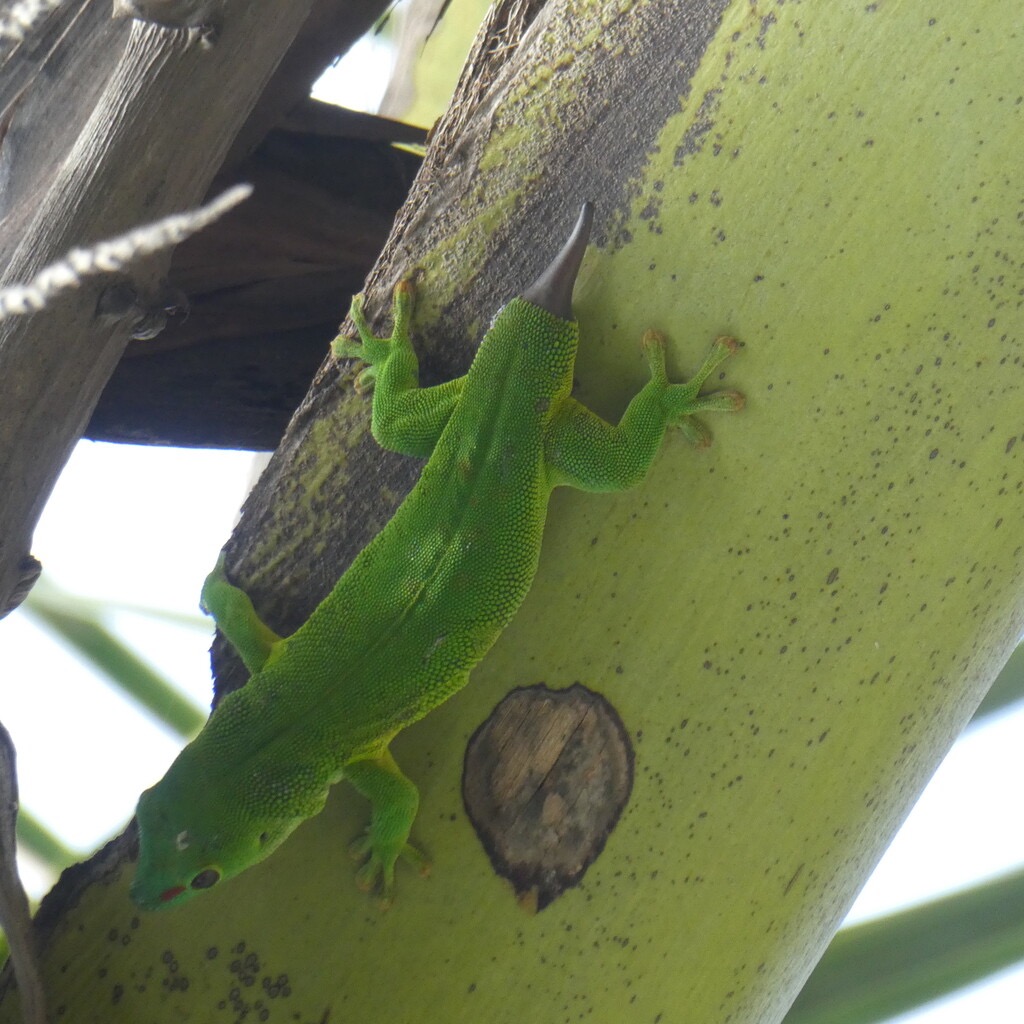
(206, 879)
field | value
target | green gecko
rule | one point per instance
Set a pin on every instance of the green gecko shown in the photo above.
(421, 604)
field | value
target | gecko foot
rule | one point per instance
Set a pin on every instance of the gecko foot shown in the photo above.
(377, 874)
(368, 348)
(684, 401)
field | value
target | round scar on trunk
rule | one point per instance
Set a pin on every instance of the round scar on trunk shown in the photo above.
(545, 779)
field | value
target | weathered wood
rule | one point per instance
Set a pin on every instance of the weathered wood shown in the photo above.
(138, 119)
(331, 27)
(317, 118)
(267, 287)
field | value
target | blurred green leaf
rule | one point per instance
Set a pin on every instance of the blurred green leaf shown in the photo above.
(98, 608)
(80, 626)
(896, 963)
(1006, 690)
(42, 843)
(432, 50)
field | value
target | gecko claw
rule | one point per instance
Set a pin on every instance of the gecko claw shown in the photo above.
(683, 402)
(369, 349)
(377, 875)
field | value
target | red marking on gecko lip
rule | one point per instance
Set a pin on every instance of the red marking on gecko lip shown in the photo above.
(171, 894)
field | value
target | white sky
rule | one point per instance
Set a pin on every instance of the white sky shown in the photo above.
(144, 525)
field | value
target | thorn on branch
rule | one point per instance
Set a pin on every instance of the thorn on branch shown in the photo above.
(114, 254)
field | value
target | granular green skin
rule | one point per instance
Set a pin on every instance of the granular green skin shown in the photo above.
(416, 610)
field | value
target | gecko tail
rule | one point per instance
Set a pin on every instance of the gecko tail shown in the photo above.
(553, 289)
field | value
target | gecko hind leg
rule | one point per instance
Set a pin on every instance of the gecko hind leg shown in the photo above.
(394, 801)
(683, 402)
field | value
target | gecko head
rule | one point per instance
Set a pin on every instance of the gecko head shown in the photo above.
(190, 841)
